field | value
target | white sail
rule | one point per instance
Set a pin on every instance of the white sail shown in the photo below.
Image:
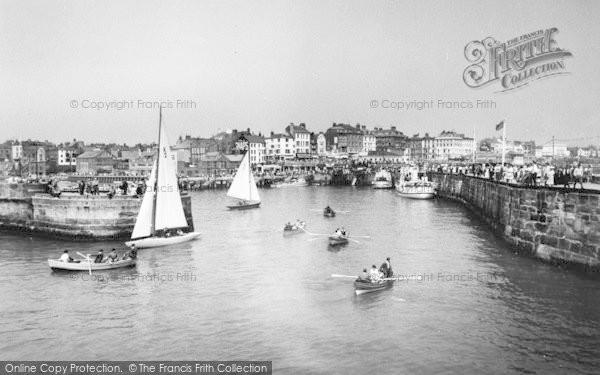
(169, 210)
(243, 185)
(143, 223)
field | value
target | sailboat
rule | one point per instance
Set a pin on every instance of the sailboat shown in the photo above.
(161, 220)
(243, 187)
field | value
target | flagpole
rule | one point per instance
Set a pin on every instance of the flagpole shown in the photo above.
(503, 142)
(474, 144)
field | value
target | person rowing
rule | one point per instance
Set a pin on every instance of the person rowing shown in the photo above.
(99, 257)
(112, 257)
(364, 276)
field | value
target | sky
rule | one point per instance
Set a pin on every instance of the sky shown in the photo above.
(265, 64)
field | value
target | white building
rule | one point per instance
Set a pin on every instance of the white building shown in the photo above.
(301, 138)
(556, 150)
(67, 156)
(451, 145)
(256, 147)
(17, 151)
(369, 142)
(280, 147)
(321, 144)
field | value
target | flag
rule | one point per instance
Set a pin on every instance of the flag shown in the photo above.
(500, 125)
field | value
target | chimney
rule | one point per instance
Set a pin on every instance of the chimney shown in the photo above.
(272, 133)
(364, 127)
(303, 125)
(393, 128)
(358, 126)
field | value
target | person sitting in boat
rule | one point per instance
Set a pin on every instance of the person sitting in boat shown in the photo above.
(288, 226)
(374, 274)
(179, 232)
(131, 254)
(343, 231)
(112, 257)
(65, 257)
(364, 276)
(99, 257)
(328, 210)
(338, 232)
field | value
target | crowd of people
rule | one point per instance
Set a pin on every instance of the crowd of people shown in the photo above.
(531, 174)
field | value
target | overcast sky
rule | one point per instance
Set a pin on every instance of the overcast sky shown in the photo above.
(264, 64)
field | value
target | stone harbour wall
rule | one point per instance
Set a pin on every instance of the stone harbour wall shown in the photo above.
(25, 208)
(550, 223)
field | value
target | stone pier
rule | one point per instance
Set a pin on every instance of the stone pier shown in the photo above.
(550, 223)
(25, 208)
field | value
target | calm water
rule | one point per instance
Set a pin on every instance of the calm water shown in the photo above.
(247, 292)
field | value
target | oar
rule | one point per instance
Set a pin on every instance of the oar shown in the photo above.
(315, 234)
(353, 240)
(400, 277)
(361, 236)
(337, 275)
(89, 261)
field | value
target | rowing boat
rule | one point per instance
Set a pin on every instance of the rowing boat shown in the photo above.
(87, 265)
(338, 240)
(294, 228)
(364, 286)
(329, 213)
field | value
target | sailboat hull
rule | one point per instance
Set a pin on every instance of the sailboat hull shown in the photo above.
(244, 206)
(149, 242)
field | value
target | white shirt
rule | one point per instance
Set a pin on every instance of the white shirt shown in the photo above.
(64, 257)
(374, 274)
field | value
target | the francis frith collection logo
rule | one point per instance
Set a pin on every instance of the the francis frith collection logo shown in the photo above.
(516, 62)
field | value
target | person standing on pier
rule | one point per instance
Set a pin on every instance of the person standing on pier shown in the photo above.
(578, 176)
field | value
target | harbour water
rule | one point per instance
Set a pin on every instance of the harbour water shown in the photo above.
(244, 291)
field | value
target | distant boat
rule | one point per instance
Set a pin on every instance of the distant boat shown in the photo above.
(328, 212)
(161, 220)
(383, 180)
(294, 228)
(294, 182)
(416, 189)
(243, 187)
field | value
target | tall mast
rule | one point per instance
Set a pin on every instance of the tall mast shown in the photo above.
(157, 169)
(249, 171)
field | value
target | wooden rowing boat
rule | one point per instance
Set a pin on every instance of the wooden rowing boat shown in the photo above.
(364, 286)
(330, 213)
(86, 265)
(294, 228)
(338, 240)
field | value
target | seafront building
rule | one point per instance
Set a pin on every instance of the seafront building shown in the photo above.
(301, 140)
(295, 147)
(279, 147)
